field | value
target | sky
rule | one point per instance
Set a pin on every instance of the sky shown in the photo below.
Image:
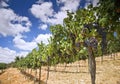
(24, 23)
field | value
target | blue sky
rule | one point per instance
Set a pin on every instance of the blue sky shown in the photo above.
(24, 23)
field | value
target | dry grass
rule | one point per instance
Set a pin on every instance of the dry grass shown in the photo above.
(107, 73)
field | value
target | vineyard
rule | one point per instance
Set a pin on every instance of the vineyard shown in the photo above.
(83, 50)
(75, 73)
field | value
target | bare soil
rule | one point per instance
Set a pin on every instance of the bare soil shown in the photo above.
(76, 73)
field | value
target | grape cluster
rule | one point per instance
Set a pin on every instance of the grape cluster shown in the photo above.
(92, 42)
(88, 26)
(103, 34)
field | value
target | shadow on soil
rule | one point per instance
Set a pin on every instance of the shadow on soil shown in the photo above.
(63, 71)
(2, 72)
(118, 82)
(31, 77)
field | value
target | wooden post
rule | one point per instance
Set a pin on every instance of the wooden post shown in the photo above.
(39, 75)
(35, 78)
(92, 65)
(48, 68)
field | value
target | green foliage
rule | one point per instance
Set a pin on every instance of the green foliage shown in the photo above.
(79, 35)
(3, 66)
(67, 43)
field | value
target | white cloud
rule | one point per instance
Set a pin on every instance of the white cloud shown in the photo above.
(43, 26)
(40, 1)
(46, 13)
(58, 18)
(3, 4)
(43, 37)
(22, 44)
(12, 24)
(42, 11)
(7, 55)
(94, 2)
(70, 5)
(22, 54)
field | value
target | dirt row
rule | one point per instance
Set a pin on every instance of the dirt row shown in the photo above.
(76, 73)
